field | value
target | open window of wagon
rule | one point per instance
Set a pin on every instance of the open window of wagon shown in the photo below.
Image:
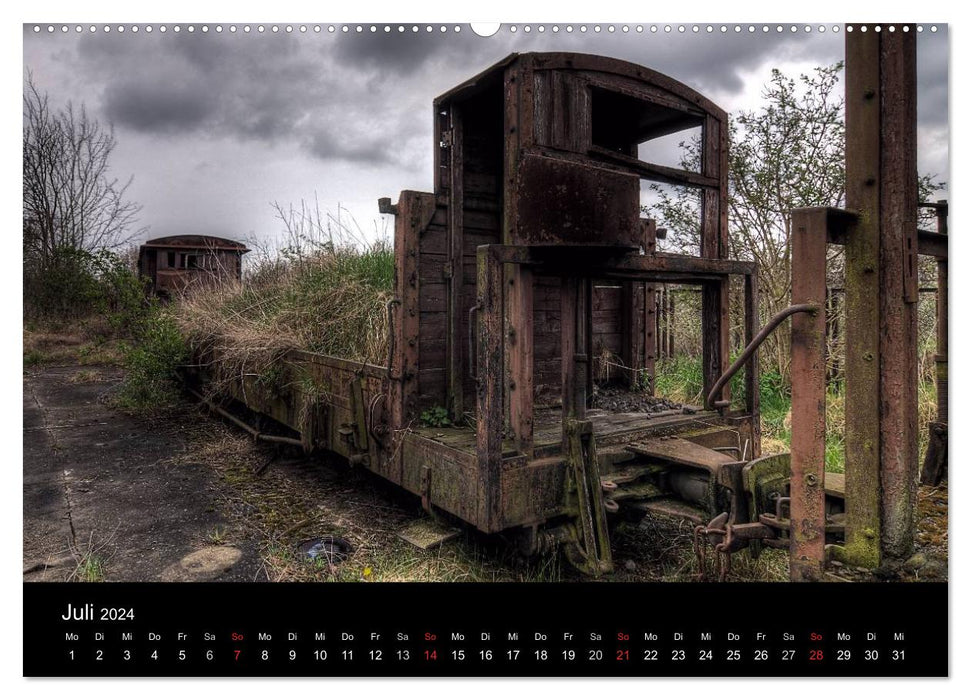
(528, 262)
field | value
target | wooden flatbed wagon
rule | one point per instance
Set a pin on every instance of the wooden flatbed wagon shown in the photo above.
(528, 262)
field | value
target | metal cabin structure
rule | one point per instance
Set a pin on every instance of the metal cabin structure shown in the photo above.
(530, 257)
(173, 263)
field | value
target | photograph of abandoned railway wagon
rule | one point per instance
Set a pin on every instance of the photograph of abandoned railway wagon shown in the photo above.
(650, 306)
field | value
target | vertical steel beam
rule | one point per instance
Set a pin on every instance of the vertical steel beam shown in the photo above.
(863, 426)
(752, 389)
(862, 434)
(898, 299)
(669, 315)
(650, 335)
(807, 511)
(881, 294)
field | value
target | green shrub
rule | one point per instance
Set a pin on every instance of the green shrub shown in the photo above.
(436, 417)
(152, 362)
(74, 284)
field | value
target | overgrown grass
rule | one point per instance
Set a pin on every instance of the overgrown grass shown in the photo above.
(330, 299)
(79, 343)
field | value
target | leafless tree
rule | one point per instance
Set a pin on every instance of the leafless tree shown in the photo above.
(71, 200)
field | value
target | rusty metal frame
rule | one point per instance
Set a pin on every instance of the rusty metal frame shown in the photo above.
(808, 368)
(505, 381)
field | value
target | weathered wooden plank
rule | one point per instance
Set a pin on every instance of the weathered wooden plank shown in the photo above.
(520, 333)
(490, 376)
(681, 451)
(453, 267)
(752, 389)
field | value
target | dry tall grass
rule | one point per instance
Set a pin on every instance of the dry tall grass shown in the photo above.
(325, 298)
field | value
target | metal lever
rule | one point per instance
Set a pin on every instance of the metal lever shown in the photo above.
(766, 331)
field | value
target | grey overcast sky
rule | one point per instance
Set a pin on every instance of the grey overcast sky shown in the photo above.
(215, 127)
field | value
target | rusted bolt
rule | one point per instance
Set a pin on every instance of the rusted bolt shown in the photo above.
(869, 533)
(868, 356)
(811, 479)
(870, 181)
(869, 94)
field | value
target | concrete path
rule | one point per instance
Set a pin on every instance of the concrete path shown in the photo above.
(105, 496)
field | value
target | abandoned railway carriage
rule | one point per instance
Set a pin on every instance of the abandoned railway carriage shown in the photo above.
(528, 261)
(174, 263)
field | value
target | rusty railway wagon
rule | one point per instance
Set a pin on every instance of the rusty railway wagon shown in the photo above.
(529, 260)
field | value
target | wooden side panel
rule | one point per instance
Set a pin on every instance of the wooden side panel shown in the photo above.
(610, 326)
(433, 302)
(519, 312)
(454, 484)
(454, 368)
(546, 339)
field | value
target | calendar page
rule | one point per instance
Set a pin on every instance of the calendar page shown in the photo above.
(526, 349)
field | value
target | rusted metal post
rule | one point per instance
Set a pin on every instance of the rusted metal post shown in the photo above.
(662, 343)
(807, 512)
(752, 388)
(881, 295)
(633, 305)
(862, 434)
(899, 282)
(669, 315)
(490, 379)
(650, 336)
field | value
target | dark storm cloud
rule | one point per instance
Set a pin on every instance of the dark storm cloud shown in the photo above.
(364, 97)
(399, 52)
(158, 107)
(346, 95)
(270, 89)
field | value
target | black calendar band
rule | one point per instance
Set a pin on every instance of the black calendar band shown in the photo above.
(563, 629)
